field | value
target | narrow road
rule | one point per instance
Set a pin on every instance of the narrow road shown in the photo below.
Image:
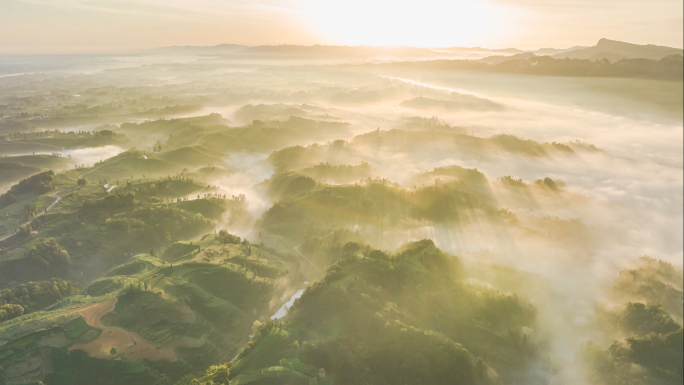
(53, 195)
(106, 164)
(59, 198)
(211, 133)
(200, 138)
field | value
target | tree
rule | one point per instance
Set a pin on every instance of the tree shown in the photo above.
(48, 251)
(81, 182)
(113, 351)
(9, 311)
(63, 258)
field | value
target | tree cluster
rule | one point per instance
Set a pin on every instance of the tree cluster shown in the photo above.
(39, 183)
(23, 298)
(48, 252)
(114, 201)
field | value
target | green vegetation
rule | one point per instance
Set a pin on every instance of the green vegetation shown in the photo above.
(455, 139)
(306, 206)
(266, 250)
(201, 307)
(654, 282)
(10, 171)
(667, 68)
(24, 298)
(324, 172)
(658, 356)
(382, 318)
(39, 183)
(641, 320)
(653, 343)
(48, 252)
(191, 156)
(40, 160)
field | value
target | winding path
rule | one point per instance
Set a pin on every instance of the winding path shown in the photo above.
(296, 248)
(59, 198)
(53, 195)
(106, 164)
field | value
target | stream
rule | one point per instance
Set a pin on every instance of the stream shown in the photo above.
(282, 312)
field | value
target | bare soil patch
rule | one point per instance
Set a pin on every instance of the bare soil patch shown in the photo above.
(130, 344)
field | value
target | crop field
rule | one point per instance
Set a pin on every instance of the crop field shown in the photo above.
(77, 328)
(132, 345)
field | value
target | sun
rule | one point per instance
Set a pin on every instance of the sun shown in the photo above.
(426, 23)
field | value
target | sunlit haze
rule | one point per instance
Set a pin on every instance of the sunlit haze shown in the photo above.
(118, 26)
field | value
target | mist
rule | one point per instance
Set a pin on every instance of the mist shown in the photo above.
(544, 190)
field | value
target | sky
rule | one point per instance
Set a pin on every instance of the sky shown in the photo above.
(129, 26)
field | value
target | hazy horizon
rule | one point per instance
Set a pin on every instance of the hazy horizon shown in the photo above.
(117, 26)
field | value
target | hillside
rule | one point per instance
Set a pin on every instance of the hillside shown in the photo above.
(256, 137)
(191, 156)
(173, 126)
(13, 171)
(373, 317)
(667, 68)
(341, 215)
(148, 321)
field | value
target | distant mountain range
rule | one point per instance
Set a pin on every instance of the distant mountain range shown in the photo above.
(611, 50)
(480, 49)
(199, 50)
(615, 50)
(335, 51)
(498, 59)
(554, 51)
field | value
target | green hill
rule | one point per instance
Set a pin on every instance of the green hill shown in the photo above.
(209, 174)
(172, 126)
(300, 157)
(382, 318)
(123, 168)
(201, 307)
(13, 171)
(342, 174)
(16, 168)
(192, 156)
(41, 161)
(257, 137)
(453, 138)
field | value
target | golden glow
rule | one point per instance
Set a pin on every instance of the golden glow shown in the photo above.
(417, 23)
